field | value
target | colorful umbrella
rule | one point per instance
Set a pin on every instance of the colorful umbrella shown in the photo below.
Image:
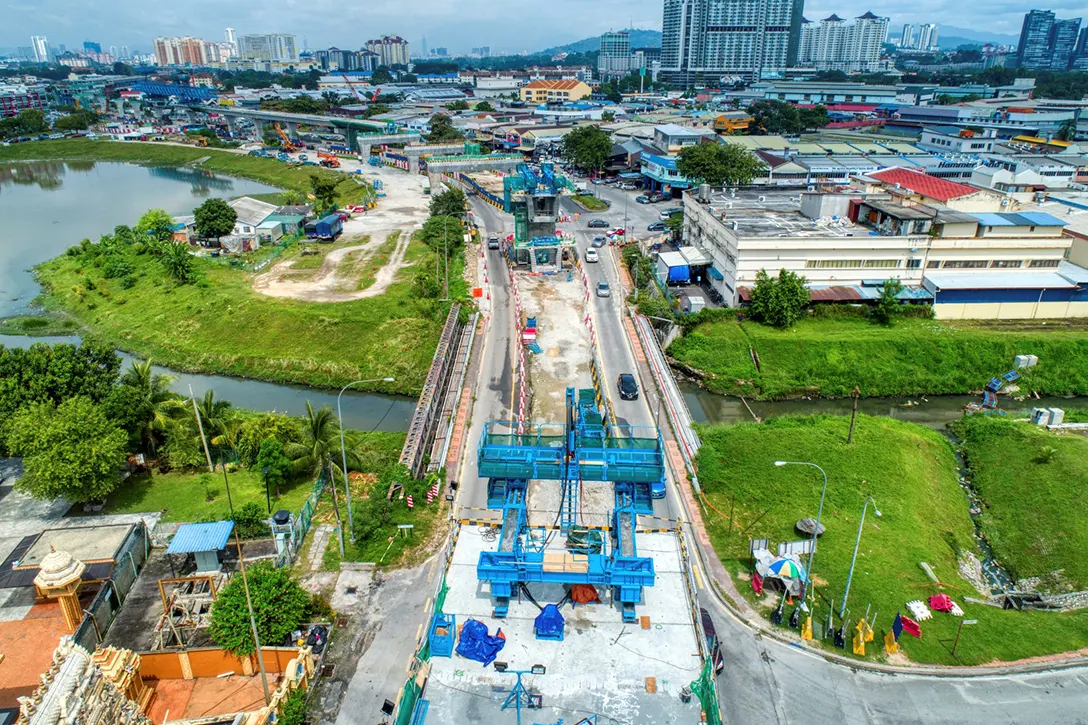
(786, 569)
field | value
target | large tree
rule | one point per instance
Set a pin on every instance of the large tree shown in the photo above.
(449, 203)
(779, 301)
(324, 190)
(320, 438)
(279, 606)
(144, 405)
(459, 105)
(587, 147)
(775, 117)
(273, 464)
(156, 226)
(443, 130)
(483, 107)
(71, 451)
(718, 164)
(215, 218)
(381, 75)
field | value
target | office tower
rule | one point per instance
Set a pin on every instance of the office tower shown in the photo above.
(614, 58)
(703, 40)
(1034, 48)
(91, 47)
(1063, 43)
(40, 46)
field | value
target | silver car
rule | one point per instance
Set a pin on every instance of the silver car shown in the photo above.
(603, 290)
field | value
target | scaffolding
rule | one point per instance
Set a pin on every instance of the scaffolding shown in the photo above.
(186, 608)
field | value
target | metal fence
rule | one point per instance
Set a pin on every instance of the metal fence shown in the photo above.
(99, 614)
(294, 532)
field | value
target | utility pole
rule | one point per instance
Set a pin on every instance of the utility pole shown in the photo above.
(245, 586)
(200, 426)
(336, 504)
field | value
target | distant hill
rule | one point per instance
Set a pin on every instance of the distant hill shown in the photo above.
(952, 37)
(639, 39)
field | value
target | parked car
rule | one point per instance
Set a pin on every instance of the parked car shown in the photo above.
(492, 242)
(666, 213)
(599, 241)
(655, 198)
(603, 290)
(628, 387)
(712, 642)
(642, 199)
(598, 180)
(598, 224)
(656, 227)
(657, 490)
(591, 255)
(611, 180)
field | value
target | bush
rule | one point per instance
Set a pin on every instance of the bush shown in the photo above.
(279, 607)
(250, 520)
(128, 282)
(293, 711)
(319, 609)
(116, 266)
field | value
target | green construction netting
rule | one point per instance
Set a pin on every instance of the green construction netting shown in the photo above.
(707, 693)
(408, 701)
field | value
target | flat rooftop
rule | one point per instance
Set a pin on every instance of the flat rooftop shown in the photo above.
(86, 543)
(601, 667)
(770, 213)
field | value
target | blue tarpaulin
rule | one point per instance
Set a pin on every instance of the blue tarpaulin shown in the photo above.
(477, 644)
(549, 623)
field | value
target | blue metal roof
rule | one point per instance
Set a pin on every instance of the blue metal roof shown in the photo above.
(1041, 218)
(192, 538)
(1019, 219)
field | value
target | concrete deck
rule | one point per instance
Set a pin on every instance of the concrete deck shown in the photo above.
(89, 542)
(600, 667)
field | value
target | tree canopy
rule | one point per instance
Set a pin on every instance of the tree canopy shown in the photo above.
(779, 301)
(443, 130)
(888, 305)
(71, 451)
(483, 107)
(324, 190)
(381, 75)
(279, 606)
(458, 105)
(780, 117)
(178, 263)
(718, 164)
(215, 218)
(156, 225)
(587, 147)
(449, 203)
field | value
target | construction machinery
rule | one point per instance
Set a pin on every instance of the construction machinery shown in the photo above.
(584, 448)
(285, 140)
(329, 161)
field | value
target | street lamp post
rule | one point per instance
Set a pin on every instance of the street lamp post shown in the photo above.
(816, 528)
(343, 451)
(857, 541)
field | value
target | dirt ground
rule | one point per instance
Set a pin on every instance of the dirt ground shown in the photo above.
(403, 210)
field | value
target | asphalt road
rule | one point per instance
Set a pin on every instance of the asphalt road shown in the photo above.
(766, 681)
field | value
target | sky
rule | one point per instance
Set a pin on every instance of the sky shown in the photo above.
(511, 25)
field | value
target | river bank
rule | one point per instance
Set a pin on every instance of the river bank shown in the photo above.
(828, 357)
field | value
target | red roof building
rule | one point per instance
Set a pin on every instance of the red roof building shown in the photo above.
(924, 185)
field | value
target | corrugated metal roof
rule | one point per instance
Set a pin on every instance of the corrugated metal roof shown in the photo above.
(192, 538)
(997, 280)
(1019, 219)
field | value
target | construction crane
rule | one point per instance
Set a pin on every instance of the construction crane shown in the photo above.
(354, 90)
(285, 140)
(329, 161)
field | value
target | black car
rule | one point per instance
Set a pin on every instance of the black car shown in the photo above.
(712, 642)
(656, 227)
(628, 387)
(598, 224)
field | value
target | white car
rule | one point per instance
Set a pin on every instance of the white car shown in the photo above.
(592, 256)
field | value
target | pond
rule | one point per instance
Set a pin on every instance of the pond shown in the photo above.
(49, 206)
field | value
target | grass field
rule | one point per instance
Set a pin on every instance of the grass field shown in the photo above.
(911, 473)
(829, 357)
(222, 325)
(265, 170)
(1034, 515)
(590, 202)
(37, 325)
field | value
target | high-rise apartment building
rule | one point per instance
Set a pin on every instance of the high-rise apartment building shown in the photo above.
(185, 51)
(927, 37)
(906, 40)
(1047, 43)
(269, 47)
(125, 54)
(703, 40)
(831, 44)
(40, 45)
(390, 49)
(231, 40)
(91, 47)
(346, 60)
(614, 58)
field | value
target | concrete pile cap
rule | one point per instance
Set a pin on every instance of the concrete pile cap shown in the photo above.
(58, 569)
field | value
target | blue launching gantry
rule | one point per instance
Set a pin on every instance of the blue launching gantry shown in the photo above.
(533, 199)
(584, 448)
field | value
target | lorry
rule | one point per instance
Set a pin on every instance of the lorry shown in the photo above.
(326, 228)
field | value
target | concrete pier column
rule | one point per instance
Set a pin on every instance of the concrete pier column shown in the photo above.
(292, 130)
(364, 152)
(351, 139)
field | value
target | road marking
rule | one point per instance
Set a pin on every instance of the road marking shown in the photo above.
(698, 577)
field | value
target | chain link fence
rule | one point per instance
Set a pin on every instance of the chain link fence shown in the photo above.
(99, 614)
(295, 532)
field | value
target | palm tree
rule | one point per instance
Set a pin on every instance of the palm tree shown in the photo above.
(1067, 131)
(156, 397)
(214, 413)
(319, 441)
(231, 433)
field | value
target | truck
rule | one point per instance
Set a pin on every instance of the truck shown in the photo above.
(326, 228)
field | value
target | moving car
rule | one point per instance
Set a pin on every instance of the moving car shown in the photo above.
(666, 213)
(642, 199)
(628, 387)
(492, 242)
(603, 290)
(657, 490)
(656, 227)
(591, 255)
(712, 642)
(599, 241)
(628, 186)
(598, 224)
